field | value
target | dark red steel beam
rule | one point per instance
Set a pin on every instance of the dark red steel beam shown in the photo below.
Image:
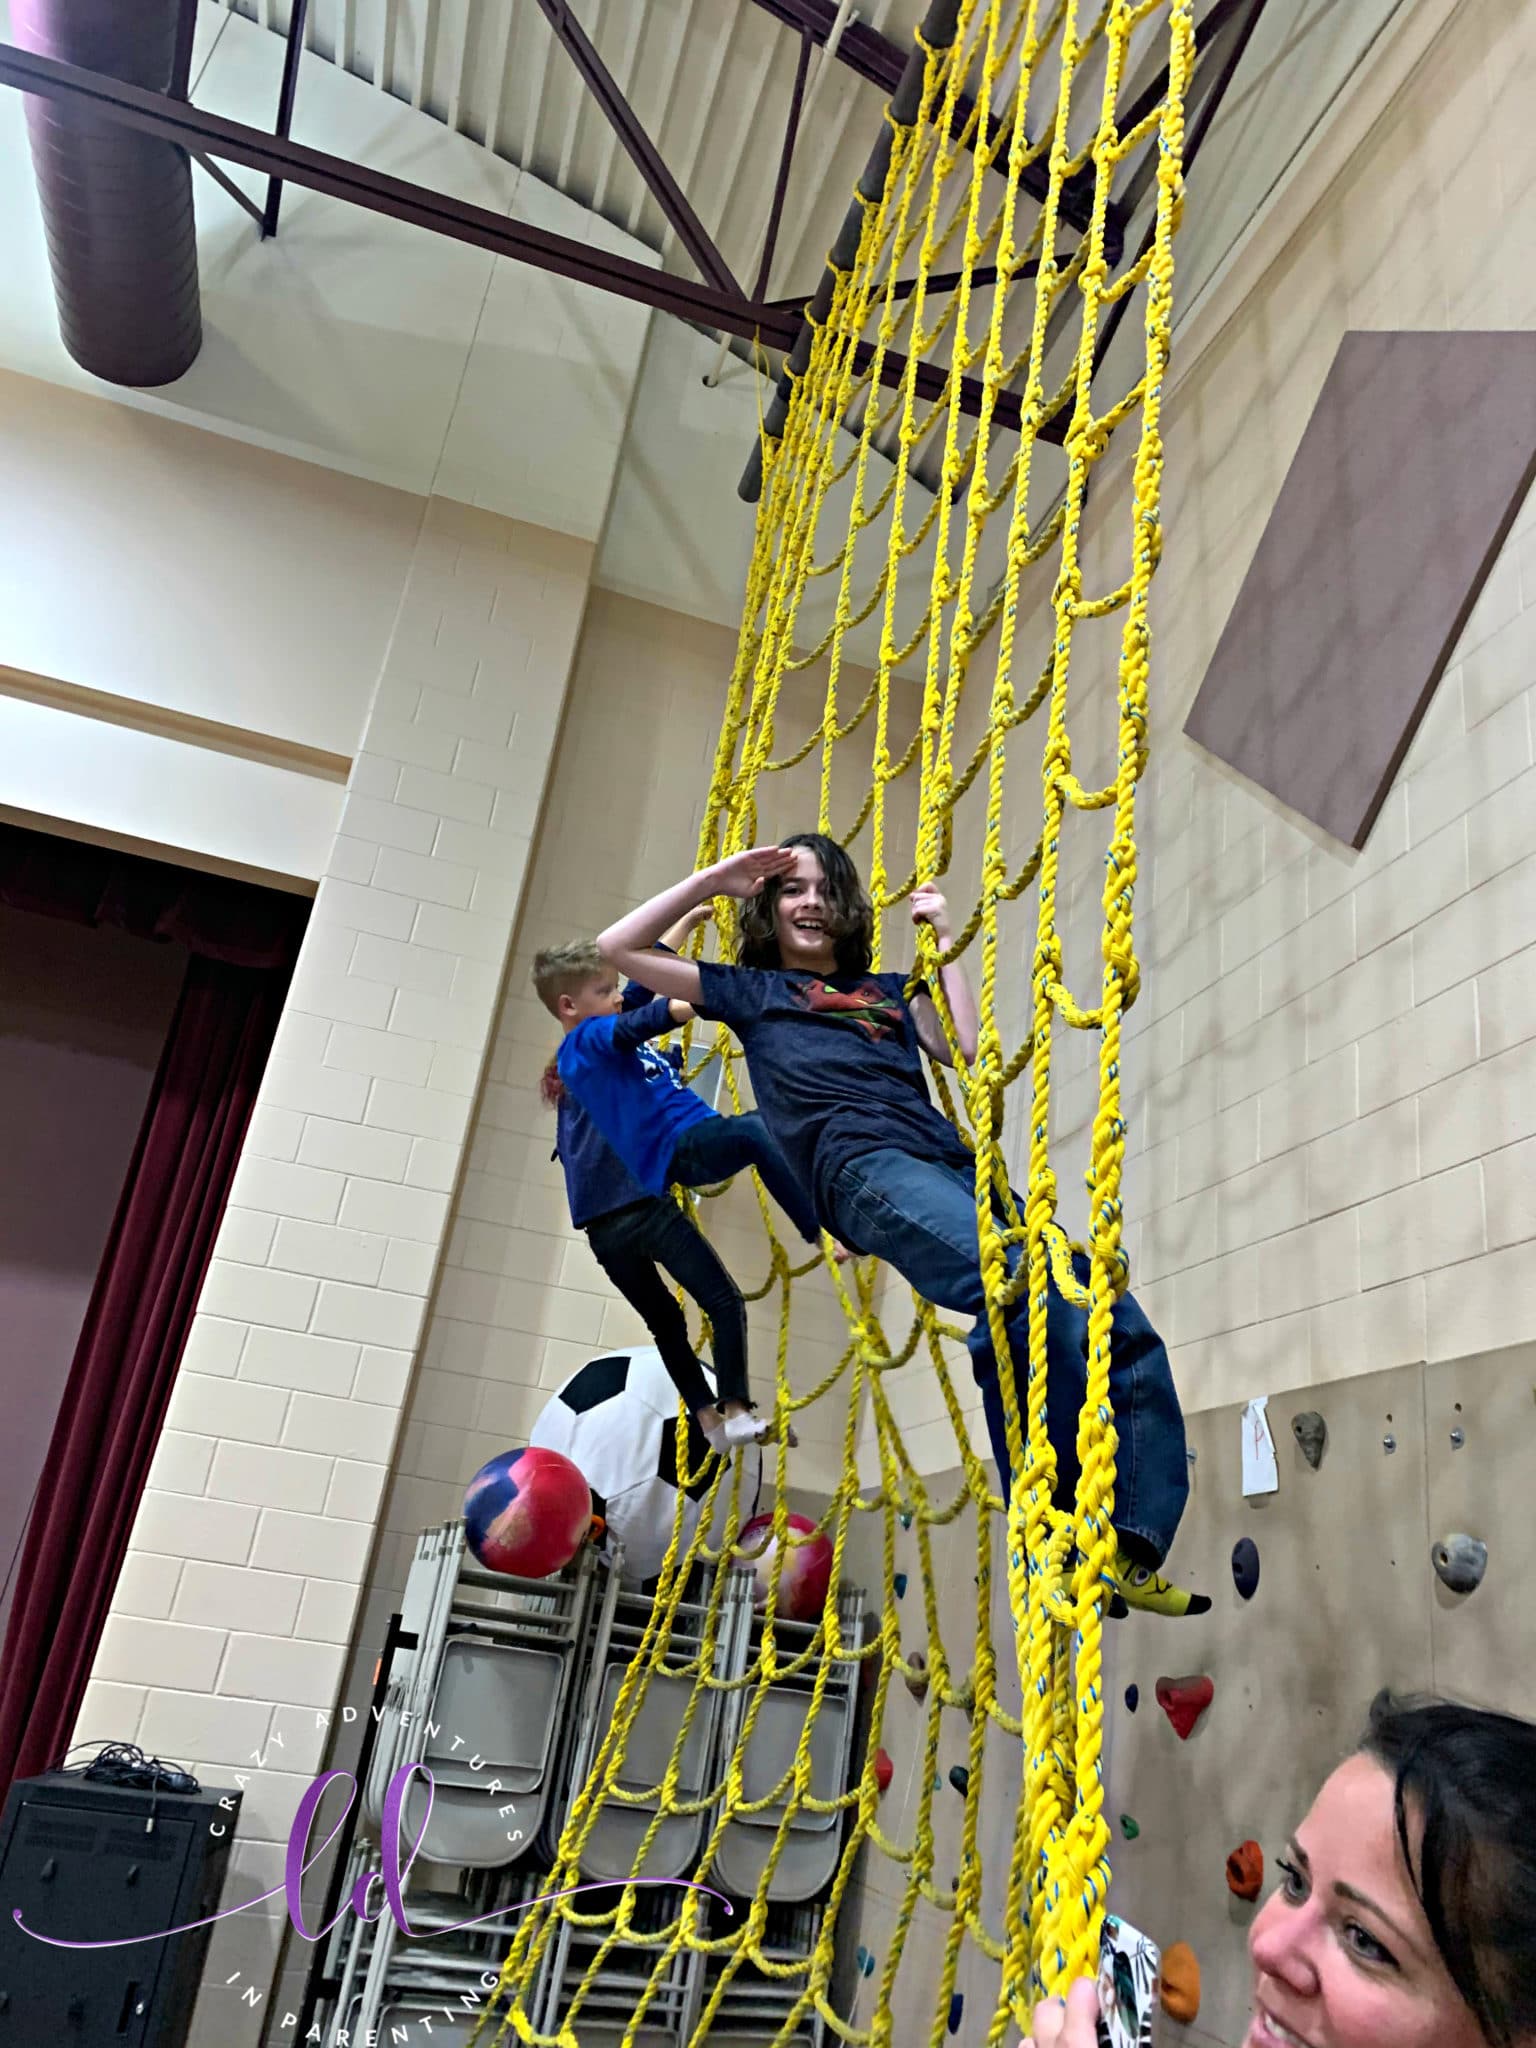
(287, 93)
(201, 133)
(786, 157)
(876, 58)
(1210, 90)
(638, 146)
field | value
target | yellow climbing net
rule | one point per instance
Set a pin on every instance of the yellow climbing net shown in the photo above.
(944, 167)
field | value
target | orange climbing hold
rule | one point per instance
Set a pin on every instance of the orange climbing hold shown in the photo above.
(885, 1770)
(1245, 1871)
(1181, 1983)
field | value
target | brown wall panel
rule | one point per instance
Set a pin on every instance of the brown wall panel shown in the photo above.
(1410, 472)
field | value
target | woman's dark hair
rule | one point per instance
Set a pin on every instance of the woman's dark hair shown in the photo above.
(1468, 1780)
(849, 915)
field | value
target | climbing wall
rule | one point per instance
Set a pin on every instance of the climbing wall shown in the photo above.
(1347, 1601)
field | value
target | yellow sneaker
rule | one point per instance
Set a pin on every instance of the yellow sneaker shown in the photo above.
(1141, 1587)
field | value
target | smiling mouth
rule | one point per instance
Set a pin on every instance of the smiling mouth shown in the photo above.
(813, 925)
(1268, 2032)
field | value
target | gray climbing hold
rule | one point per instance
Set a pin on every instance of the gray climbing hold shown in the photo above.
(1311, 1434)
(1245, 1566)
(915, 1677)
(1460, 1562)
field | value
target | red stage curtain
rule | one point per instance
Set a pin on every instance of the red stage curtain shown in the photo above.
(157, 1253)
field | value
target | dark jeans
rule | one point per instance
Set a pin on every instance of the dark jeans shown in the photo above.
(629, 1245)
(718, 1146)
(920, 1217)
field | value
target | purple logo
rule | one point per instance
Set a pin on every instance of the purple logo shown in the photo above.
(297, 1862)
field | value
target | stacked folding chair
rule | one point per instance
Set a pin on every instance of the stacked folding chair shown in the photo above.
(506, 1697)
(481, 1699)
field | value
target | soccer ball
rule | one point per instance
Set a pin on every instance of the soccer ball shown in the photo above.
(616, 1419)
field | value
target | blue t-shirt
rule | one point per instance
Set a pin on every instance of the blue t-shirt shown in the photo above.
(836, 1066)
(632, 1099)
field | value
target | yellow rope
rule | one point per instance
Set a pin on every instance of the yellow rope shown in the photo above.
(1058, 1874)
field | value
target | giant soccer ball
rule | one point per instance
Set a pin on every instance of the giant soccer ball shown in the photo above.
(616, 1419)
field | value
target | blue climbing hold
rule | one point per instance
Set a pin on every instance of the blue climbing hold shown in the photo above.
(960, 1778)
(900, 1583)
(1132, 1698)
(862, 1958)
(1245, 1567)
(905, 1518)
(956, 2008)
(868, 1964)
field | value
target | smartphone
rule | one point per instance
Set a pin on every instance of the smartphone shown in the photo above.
(1129, 1967)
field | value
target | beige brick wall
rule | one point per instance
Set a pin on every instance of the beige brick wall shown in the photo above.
(521, 1302)
(228, 1636)
(1333, 1065)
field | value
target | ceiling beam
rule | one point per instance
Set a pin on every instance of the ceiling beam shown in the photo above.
(638, 146)
(876, 58)
(201, 133)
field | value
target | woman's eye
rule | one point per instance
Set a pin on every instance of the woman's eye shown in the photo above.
(1366, 1946)
(1293, 1885)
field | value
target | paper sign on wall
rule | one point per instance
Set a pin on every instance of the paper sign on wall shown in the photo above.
(1261, 1472)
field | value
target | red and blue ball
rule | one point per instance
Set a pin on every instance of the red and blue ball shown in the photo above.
(527, 1512)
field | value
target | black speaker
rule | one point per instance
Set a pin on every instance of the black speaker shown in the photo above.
(94, 1862)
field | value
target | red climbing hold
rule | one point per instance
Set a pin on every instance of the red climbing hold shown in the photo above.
(885, 1770)
(1184, 1700)
(1245, 1871)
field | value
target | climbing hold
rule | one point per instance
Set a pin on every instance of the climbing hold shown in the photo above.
(900, 1584)
(905, 1518)
(1132, 1698)
(1460, 1562)
(867, 1966)
(885, 1770)
(915, 1677)
(1311, 1434)
(938, 1782)
(960, 1778)
(956, 2008)
(1129, 1828)
(1184, 1700)
(1245, 1566)
(1181, 1983)
(1245, 1871)
(861, 1959)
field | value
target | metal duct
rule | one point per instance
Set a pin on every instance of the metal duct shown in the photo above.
(117, 205)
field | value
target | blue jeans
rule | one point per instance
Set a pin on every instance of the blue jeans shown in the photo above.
(718, 1146)
(920, 1216)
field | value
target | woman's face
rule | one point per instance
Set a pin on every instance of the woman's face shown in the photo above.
(1342, 1954)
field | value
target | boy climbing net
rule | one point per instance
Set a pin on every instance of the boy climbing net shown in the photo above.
(835, 1056)
(629, 1128)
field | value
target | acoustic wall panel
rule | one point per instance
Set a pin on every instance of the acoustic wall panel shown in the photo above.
(1410, 472)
